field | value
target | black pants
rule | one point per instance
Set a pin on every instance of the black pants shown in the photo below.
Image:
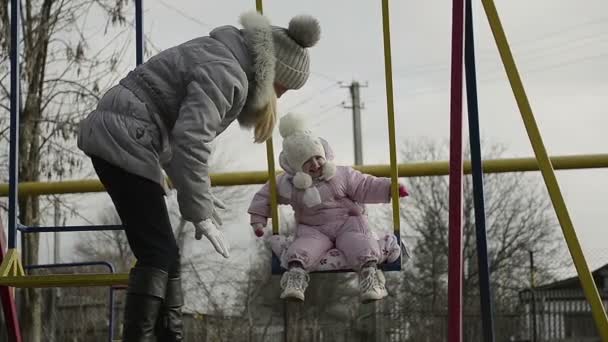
(141, 206)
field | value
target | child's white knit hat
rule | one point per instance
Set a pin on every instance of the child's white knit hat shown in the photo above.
(299, 145)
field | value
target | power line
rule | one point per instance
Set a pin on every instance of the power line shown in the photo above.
(561, 46)
(202, 23)
(557, 45)
(322, 117)
(330, 108)
(329, 78)
(185, 15)
(562, 30)
(313, 96)
(496, 76)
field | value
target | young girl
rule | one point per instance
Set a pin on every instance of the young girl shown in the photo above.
(328, 204)
(164, 115)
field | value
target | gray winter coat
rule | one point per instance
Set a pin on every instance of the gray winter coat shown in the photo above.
(165, 113)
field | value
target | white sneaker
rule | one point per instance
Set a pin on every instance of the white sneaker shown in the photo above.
(294, 282)
(382, 282)
(371, 285)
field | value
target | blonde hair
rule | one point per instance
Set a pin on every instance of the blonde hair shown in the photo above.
(266, 119)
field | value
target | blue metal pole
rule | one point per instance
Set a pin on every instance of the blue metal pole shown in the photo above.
(111, 333)
(475, 142)
(73, 264)
(49, 229)
(14, 128)
(139, 32)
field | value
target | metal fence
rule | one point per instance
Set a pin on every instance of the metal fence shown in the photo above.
(559, 315)
(556, 316)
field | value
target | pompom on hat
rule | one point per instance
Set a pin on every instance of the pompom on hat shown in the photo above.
(292, 66)
(299, 145)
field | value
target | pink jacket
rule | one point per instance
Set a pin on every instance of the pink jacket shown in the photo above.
(340, 197)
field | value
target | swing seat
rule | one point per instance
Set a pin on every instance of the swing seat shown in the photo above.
(334, 260)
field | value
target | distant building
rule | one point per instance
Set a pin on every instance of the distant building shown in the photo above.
(560, 312)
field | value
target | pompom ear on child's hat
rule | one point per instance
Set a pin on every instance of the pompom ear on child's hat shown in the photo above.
(299, 145)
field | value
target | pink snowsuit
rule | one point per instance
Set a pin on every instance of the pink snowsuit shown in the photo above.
(339, 219)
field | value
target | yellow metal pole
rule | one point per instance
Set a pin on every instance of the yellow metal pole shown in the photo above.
(546, 168)
(65, 280)
(420, 169)
(388, 70)
(272, 180)
(11, 264)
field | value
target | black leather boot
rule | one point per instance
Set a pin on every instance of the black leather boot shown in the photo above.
(145, 294)
(169, 326)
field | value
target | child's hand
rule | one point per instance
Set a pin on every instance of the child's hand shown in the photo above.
(402, 191)
(258, 229)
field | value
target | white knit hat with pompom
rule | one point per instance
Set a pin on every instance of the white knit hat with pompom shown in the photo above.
(299, 145)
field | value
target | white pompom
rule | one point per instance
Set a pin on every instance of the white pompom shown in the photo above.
(305, 30)
(302, 180)
(253, 19)
(291, 123)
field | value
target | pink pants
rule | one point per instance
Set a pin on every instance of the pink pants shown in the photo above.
(351, 236)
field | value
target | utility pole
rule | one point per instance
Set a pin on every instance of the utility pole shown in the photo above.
(356, 106)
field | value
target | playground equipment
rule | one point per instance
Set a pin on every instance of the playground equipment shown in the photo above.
(111, 313)
(13, 275)
(393, 167)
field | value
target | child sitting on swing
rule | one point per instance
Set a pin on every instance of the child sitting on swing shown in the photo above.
(328, 204)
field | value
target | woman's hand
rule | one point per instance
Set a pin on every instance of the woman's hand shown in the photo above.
(214, 235)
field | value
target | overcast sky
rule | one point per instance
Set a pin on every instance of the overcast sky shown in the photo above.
(560, 48)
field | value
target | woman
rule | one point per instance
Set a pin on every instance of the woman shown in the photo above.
(163, 115)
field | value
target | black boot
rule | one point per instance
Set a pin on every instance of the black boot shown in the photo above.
(169, 326)
(145, 294)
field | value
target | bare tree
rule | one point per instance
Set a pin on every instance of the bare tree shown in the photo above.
(111, 245)
(230, 294)
(61, 79)
(519, 219)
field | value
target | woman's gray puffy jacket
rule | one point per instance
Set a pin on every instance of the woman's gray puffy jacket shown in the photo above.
(165, 113)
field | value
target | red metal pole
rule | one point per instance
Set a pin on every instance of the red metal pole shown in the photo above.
(8, 300)
(455, 177)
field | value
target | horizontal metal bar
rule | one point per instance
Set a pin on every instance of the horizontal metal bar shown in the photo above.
(73, 264)
(437, 168)
(49, 229)
(65, 280)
